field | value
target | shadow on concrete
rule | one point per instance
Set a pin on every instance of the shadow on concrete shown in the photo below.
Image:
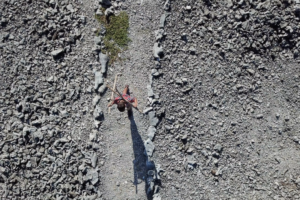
(140, 159)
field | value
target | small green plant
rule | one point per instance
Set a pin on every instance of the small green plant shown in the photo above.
(116, 37)
(112, 49)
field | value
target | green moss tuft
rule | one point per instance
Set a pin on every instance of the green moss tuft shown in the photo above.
(112, 49)
(117, 29)
(116, 38)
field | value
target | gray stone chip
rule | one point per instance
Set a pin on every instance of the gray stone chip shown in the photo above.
(157, 50)
(218, 148)
(94, 160)
(96, 100)
(98, 80)
(98, 114)
(149, 147)
(102, 89)
(162, 21)
(97, 40)
(104, 61)
(57, 52)
(152, 119)
(150, 91)
(151, 132)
